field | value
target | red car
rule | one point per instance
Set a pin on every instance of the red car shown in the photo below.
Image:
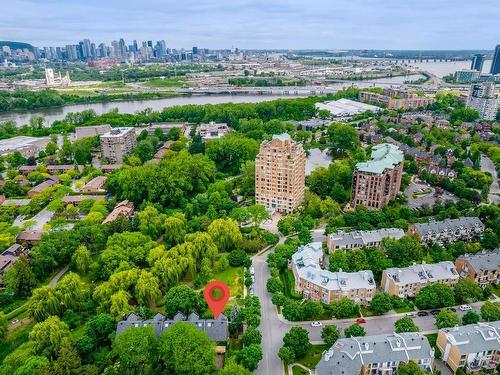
(360, 320)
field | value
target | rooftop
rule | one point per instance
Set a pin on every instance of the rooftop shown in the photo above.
(423, 273)
(484, 261)
(118, 132)
(347, 356)
(364, 237)
(474, 338)
(346, 107)
(448, 225)
(384, 156)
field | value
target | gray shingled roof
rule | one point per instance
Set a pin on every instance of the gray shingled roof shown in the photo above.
(216, 329)
(448, 225)
(484, 261)
(474, 338)
(364, 237)
(347, 356)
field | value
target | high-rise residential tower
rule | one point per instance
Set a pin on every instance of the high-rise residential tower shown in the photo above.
(477, 62)
(280, 174)
(495, 64)
(482, 98)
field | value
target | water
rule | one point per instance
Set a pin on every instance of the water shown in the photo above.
(444, 68)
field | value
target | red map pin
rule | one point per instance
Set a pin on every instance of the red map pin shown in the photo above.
(216, 294)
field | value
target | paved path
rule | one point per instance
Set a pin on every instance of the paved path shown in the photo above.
(40, 219)
(488, 166)
(58, 276)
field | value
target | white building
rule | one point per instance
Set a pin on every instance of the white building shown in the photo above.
(482, 98)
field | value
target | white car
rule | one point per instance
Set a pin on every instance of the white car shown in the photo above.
(253, 278)
(316, 324)
(465, 308)
(411, 315)
(252, 292)
(252, 270)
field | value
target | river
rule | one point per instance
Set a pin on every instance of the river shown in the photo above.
(132, 106)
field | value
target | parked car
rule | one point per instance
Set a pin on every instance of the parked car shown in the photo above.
(361, 320)
(422, 313)
(452, 309)
(411, 315)
(252, 292)
(435, 312)
(465, 308)
(316, 324)
(253, 278)
(252, 270)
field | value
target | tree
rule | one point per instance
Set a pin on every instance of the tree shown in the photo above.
(470, 317)
(119, 305)
(293, 311)
(274, 285)
(231, 151)
(354, 330)
(82, 260)
(233, 368)
(405, 324)
(238, 258)
(312, 310)
(15, 159)
(3, 326)
(20, 278)
(225, 233)
(381, 303)
(257, 214)
(286, 354)
(249, 356)
(446, 319)
(297, 339)
(279, 299)
(251, 336)
(144, 150)
(68, 361)
(467, 291)
(490, 311)
(330, 334)
(147, 289)
(343, 138)
(434, 295)
(137, 350)
(187, 350)
(180, 298)
(33, 365)
(410, 368)
(151, 222)
(405, 251)
(47, 337)
(175, 230)
(344, 308)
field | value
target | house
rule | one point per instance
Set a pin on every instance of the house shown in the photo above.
(483, 267)
(407, 282)
(75, 200)
(216, 329)
(27, 169)
(108, 168)
(49, 182)
(473, 347)
(10, 256)
(29, 237)
(96, 185)
(58, 169)
(380, 354)
(317, 284)
(449, 230)
(163, 150)
(124, 208)
(363, 238)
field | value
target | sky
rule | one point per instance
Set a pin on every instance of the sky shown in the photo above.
(258, 24)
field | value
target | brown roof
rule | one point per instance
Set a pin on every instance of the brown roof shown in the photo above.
(51, 181)
(77, 199)
(124, 208)
(95, 185)
(29, 236)
(110, 167)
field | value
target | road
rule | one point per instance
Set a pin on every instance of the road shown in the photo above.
(39, 220)
(273, 327)
(488, 166)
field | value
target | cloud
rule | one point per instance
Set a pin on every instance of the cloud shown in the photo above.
(289, 24)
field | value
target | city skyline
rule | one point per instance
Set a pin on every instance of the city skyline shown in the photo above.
(253, 25)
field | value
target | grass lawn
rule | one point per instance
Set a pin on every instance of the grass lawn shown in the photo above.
(167, 82)
(404, 309)
(15, 339)
(365, 311)
(233, 278)
(299, 371)
(288, 280)
(313, 355)
(432, 337)
(496, 290)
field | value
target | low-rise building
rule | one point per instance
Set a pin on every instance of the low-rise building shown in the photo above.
(212, 130)
(407, 282)
(27, 146)
(91, 131)
(118, 143)
(163, 150)
(473, 348)
(108, 168)
(483, 267)
(10, 256)
(317, 284)
(449, 230)
(216, 329)
(124, 208)
(361, 238)
(346, 107)
(396, 99)
(27, 169)
(380, 354)
(29, 237)
(165, 127)
(58, 169)
(96, 185)
(48, 183)
(75, 200)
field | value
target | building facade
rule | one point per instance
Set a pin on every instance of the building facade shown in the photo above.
(450, 230)
(212, 130)
(483, 98)
(380, 354)
(320, 285)
(495, 63)
(473, 348)
(118, 143)
(280, 174)
(407, 282)
(477, 62)
(377, 181)
(397, 99)
(361, 238)
(483, 267)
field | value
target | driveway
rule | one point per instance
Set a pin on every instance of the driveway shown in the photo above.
(488, 166)
(40, 219)
(421, 194)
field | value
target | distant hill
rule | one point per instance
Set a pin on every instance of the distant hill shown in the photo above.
(16, 45)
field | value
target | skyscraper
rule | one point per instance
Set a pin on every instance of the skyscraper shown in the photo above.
(280, 174)
(482, 98)
(477, 62)
(495, 64)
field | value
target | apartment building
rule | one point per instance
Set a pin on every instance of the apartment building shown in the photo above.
(379, 354)
(280, 174)
(118, 143)
(317, 284)
(341, 240)
(483, 98)
(376, 182)
(407, 282)
(483, 267)
(473, 348)
(449, 230)
(396, 99)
